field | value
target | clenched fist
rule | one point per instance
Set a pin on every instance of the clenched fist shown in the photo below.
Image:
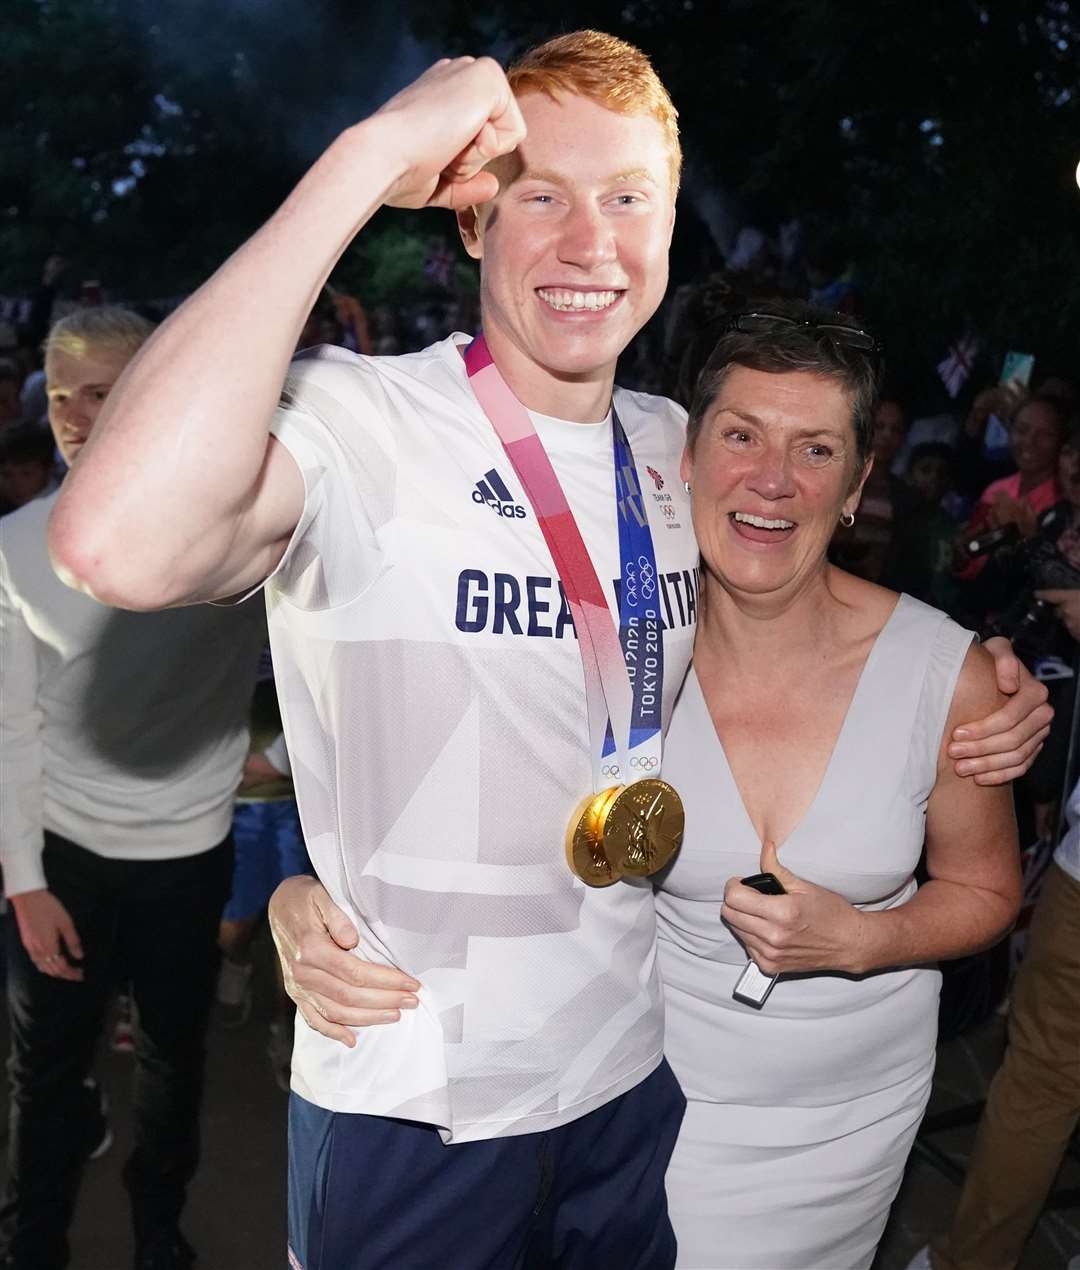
(458, 116)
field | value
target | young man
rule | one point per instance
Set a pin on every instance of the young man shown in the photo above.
(122, 738)
(432, 689)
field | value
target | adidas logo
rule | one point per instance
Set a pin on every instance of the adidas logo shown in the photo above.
(491, 490)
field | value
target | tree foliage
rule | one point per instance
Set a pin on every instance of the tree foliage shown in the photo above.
(937, 143)
(144, 139)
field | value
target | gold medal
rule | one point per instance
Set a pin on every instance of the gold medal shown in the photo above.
(625, 831)
(585, 839)
(643, 828)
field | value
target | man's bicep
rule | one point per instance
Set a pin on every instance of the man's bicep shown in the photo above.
(262, 532)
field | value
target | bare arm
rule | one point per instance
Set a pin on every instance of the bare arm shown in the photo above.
(180, 494)
(969, 903)
(972, 856)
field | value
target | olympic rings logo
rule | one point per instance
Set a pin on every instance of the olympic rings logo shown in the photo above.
(647, 763)
(648, 578)
(610, 769)
(630, 586)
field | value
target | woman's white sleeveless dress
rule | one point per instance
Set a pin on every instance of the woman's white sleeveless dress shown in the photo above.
(801, 1115)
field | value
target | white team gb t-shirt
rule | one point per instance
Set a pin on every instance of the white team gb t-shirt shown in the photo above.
(434, 705)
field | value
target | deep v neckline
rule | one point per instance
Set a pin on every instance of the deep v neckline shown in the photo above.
(865, 674)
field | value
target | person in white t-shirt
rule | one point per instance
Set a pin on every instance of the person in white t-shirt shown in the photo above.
(122, 738)
(431, 685)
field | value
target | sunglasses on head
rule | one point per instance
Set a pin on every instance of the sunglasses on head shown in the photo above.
(839, 333)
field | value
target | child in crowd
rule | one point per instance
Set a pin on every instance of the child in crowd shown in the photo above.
(269, 847)
(868, 548)
(27, 465)
(923, 554)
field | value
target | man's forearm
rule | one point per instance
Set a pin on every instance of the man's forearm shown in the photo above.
(176, 458)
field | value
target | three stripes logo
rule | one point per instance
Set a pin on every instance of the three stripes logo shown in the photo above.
(491, 490)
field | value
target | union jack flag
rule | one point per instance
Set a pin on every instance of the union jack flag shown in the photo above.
(656, 477)
(955, 368)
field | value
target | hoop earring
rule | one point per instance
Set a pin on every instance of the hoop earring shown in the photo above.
(686, 486)
(847, 519)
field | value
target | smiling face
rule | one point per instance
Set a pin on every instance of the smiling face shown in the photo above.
(77, 388)
(772, 470)
(574, 249)
(1035, 439)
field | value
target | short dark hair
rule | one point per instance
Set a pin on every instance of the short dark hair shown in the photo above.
(27, 443)
(785, 348)
(934, 450)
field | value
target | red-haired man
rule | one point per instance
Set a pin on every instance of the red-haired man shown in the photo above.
(423, 604)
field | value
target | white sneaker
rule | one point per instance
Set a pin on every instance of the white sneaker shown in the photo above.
(104, 1134)
(234, 993)
(921, 1260)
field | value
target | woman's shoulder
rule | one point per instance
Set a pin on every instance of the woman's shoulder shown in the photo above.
(977, 694)
(920, 648)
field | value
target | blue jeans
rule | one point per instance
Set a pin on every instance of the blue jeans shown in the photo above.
(269, 847)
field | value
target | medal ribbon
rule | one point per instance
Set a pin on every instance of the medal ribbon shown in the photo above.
(640, 625)
(623, 669)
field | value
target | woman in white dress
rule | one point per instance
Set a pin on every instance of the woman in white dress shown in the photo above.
(801, 1112)
(814, 718)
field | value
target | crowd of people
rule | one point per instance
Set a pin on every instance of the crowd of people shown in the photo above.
(480, 1033)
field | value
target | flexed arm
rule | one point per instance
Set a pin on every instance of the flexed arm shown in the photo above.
(181, 494)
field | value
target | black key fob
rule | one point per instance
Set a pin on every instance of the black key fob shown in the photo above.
(754, 987)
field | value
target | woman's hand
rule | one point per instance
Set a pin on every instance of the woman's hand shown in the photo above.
(810, 928)
(1067, 604)
(1001, 399)
(1003, 746)
(1006, 510)
(333, 989)
(258, 770)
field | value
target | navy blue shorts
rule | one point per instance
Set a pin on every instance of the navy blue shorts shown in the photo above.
(371, 1193)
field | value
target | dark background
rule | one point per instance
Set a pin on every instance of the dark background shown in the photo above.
(933, 145)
